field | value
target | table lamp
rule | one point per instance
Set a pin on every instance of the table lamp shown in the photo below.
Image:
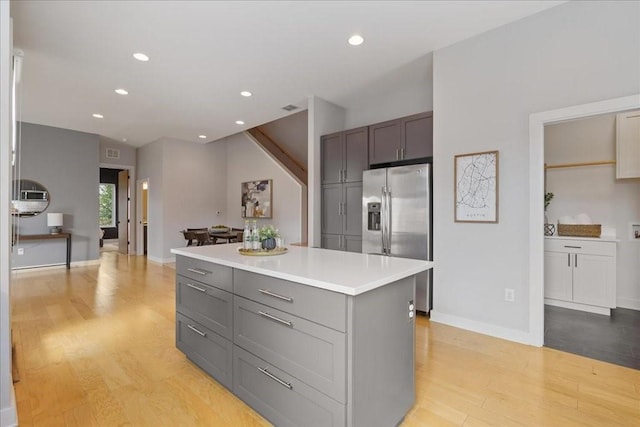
(54, 221)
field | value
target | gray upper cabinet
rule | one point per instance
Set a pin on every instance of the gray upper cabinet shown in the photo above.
(344, 156)
(407, 138)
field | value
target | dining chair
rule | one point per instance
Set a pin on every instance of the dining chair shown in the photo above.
(189, 236)
(239, 233)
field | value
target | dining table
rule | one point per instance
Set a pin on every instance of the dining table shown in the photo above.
(227, 236)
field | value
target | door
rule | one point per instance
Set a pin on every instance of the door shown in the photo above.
(558, 276)
(331, 202)
(331, 156)
(417, 136)
(384, 142)
(372, 182)
(591, 276)
(356, 159)
(123, 212)
(409, 210)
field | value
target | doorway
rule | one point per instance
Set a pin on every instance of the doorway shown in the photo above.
(537, 122)
(121, 233)
(142, 213)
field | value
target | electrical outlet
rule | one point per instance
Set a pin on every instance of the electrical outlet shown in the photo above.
(509, 295)
(20, 251)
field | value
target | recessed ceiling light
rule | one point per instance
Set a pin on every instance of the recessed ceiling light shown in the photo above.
(239, 122)
(98, 116)
(122, 92)
(141, 57)
(202, 136)
(124, 139)
(245, 93)
(356, 40)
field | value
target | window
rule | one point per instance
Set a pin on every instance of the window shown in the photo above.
(107, 205)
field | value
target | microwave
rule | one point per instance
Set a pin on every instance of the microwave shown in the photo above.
(34, 195)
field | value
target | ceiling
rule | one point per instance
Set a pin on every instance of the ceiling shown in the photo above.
(203, 53)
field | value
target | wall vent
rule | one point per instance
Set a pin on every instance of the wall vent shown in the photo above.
(113, 153)
(290, 107)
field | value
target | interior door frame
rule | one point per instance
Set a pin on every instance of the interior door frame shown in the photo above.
(537, 122)
(139, 227)
(132, 221)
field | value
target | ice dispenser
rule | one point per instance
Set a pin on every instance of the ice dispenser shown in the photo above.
(373, 216)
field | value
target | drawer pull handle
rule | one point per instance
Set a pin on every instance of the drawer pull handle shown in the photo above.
(276, 379)
(573, 247)
(272, 294)
(196, 288)
(274, 318)
(198, 271)
(197, 331)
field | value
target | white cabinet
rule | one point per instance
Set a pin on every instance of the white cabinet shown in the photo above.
(628, 145)
(580, 273)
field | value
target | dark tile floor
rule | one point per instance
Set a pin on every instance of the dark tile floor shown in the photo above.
(614, 339)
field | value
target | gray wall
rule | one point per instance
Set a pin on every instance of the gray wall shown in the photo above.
(66, 163)
(149, 166)
(127, 152)
(290, 133)
(485, 88)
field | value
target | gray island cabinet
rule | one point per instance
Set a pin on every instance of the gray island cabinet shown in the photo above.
(312, 337)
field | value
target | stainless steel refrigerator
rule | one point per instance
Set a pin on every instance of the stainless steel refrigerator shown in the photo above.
(396, 218)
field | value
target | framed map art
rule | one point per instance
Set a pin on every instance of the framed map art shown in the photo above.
(476, 187)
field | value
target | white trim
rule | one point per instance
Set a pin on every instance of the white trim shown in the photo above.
(139, 225)
(537, 121)
(480, 327)
(633, 304)
(56, 266)
(161, 260)
(9, 415)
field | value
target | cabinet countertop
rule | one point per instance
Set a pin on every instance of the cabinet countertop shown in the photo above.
(586, 239)
(344, 272)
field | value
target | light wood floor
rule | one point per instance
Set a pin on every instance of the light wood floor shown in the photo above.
(95, 346)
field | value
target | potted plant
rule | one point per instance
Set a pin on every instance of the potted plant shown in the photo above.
(267, 235)
(549, 229)
(547, 200)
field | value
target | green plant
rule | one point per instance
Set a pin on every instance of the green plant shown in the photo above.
(268, 232)
(547, 199)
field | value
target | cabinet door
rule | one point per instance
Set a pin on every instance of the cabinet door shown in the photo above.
(356, 158)
(352, 210)
(558, 276)
(628, 145)
(353, 244)
(331, 209)
(592, 280)
(331, 158)
(330, 241)
(384, 142)
(417, 136)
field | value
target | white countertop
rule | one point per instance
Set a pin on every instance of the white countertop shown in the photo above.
(345, 272)
(588, 239)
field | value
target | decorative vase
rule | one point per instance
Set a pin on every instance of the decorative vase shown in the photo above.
(549, 229)
(269, 243)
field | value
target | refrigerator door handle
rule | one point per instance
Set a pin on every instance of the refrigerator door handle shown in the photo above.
(388, 219)
(383, 219)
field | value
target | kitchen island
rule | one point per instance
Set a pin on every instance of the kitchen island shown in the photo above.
(312, 337)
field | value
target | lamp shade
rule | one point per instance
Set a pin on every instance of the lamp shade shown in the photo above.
(54, 220)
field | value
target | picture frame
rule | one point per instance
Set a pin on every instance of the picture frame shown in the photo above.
(256, 199)
(476, 177)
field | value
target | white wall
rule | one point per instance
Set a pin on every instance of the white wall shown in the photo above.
(251, 163)
(596, 191)
(149, 166)
(127, 152)
(405, 91)
(324, 118)
(485, 88)
(290, 133)
(8, 416)
(193, 191)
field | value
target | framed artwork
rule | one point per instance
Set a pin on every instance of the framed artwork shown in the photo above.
(256, 199)
(476, 187)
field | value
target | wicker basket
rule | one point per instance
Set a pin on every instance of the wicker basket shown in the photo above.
(579, 230)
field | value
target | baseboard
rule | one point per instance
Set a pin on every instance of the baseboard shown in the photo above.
(605, 311)
(57, 266)
(630, 303)
(161, 260)
(482, 328)
(9, 415)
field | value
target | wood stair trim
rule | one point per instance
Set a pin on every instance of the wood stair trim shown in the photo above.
(280, 155)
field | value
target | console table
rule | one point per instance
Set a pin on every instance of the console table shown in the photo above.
(25, 237)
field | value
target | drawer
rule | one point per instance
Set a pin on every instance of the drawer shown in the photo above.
(280, 397)
(216, 275)
(208, 350)
(586, 247)
(310, 352)
(209, 306)
(318, 305)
